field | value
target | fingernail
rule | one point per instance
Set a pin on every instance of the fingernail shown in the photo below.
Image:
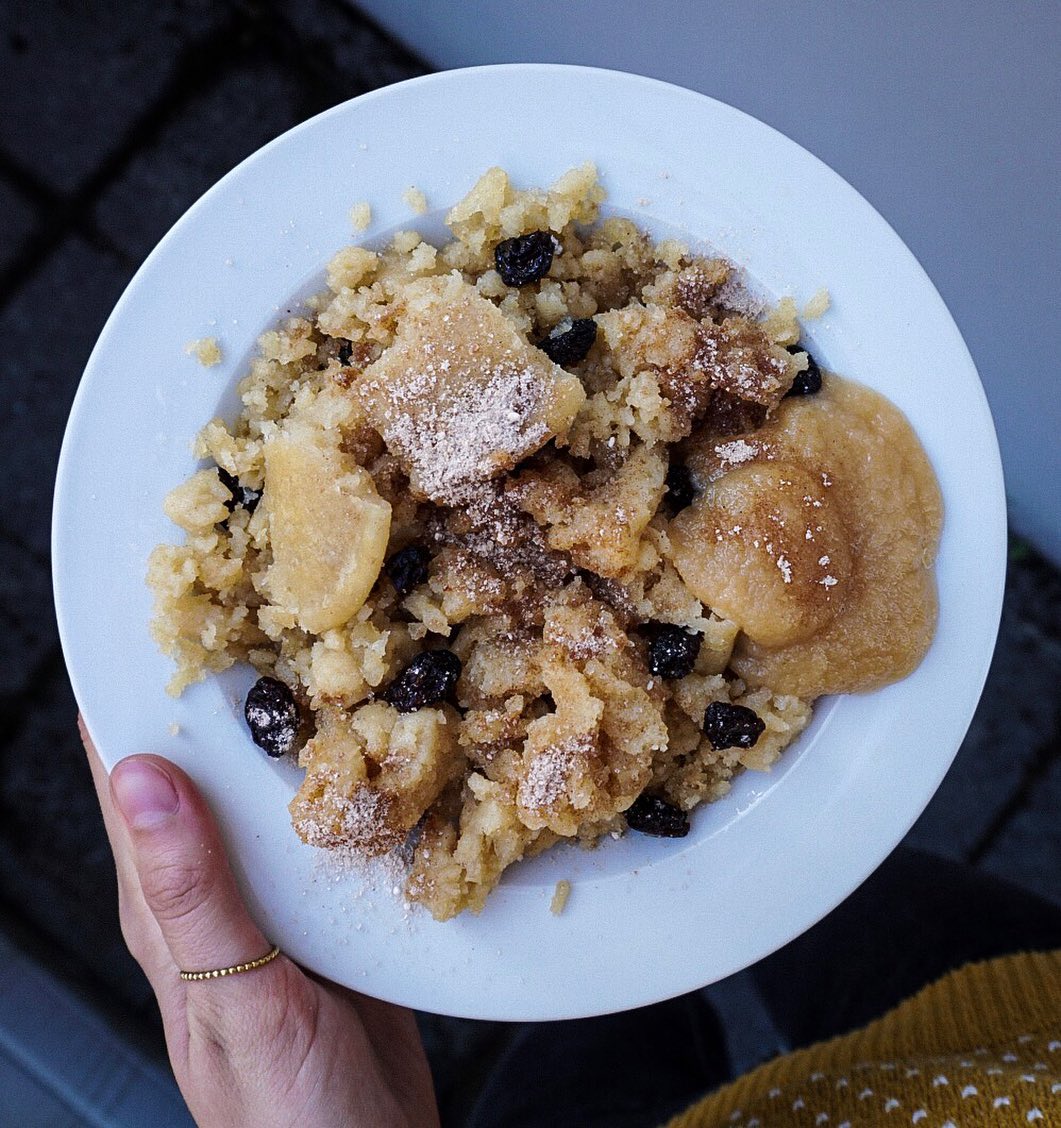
(144, 793)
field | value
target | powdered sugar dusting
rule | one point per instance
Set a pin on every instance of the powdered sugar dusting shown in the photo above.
(736, 451)
(738, 359)
(460, 397)
(357, 817)
(452, 444)
(489, 525)
(545, 782)
(369, 884)
(736, 295)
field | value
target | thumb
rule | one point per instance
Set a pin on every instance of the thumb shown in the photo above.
(182, 867)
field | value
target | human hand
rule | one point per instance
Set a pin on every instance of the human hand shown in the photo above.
(272, 1046)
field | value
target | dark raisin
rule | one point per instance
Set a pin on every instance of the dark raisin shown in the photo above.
(346, 350)
(231, 483)
(652, 815)
(568, 342)
(428, 679)
(672, 650)
(681, 491)
(408, 568)
(272, 716)
(524, 259)
(241, 494)
(732, 726)
(809, 380)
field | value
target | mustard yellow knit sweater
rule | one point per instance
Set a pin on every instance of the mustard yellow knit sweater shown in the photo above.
(982, 1047)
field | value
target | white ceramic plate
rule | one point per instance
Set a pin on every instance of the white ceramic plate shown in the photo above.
(647, 918)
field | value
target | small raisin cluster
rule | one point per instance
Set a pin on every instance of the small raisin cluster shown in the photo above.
(272, 716)
(672, 650)
(681, 489)
(569, 342)
(732, 726)
(428, 679)
(407, 568)
(525, 259)
(650, 814)
(809, 381)
(241, 494)
(274, 719)
(725, 726)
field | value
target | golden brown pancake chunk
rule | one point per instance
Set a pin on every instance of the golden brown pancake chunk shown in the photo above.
(371, 775)
(460, 396)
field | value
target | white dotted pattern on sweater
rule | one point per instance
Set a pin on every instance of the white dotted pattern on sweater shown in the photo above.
(1033, 1114)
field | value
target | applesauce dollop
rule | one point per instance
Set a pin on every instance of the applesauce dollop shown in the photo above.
(817, 534)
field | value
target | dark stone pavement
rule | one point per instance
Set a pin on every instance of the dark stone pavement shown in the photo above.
(115, 119)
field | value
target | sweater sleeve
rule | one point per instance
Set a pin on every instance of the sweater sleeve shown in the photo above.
(982, 1046)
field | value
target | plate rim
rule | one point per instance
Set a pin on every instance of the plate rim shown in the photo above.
(995, 517)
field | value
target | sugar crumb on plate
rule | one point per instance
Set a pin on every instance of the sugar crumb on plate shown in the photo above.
(817, 305)
(414, 199)
(206, 350)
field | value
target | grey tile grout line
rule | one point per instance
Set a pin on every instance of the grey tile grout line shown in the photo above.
(257, 24)
(41, 559)
(285, 46)
(27, 184)
(34, 248)
(198, 66)
(1046, 755)
(46, 202)
(16, 710)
